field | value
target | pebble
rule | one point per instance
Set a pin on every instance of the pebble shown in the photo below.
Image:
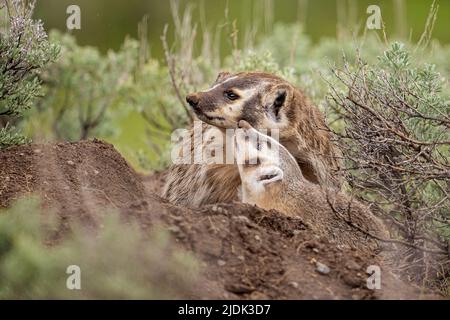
(242, 219)
(218, 209)
(221, 263)
(352, 281)
(239, 288)
(174, 229)
(70, 163)
(322, 268)
(352, 265)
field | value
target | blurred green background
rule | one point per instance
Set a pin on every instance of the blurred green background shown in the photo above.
(105, 23)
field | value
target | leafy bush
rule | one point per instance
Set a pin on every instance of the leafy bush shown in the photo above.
(113, 266)
(396, 143)
(24, 51)
(84, 89)
(160, 110)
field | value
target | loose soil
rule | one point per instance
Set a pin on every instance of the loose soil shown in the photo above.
(245, 252)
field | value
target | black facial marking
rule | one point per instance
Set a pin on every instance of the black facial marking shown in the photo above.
(266, 177)
(251, 110)
(278, 103)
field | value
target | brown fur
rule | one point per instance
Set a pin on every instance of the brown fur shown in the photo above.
(330, 213)
(302, 131)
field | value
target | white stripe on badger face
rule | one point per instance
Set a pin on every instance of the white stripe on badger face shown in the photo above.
(219, 84)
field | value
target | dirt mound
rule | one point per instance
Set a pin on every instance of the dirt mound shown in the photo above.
(74, 178)
(245, 252)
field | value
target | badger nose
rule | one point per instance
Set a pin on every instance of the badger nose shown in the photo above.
(193, 100)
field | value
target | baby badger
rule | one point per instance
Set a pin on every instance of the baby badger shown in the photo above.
(265, 101)
(272, 179)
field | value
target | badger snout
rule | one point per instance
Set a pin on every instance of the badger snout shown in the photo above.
(193, 99)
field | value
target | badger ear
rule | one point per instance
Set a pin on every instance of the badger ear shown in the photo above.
(279, 101)
(278, 98)
(222, 77)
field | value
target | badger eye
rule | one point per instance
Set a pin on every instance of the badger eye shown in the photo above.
(231, 95)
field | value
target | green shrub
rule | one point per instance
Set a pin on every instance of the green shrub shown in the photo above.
(396, 143)
(24, 51)
(84, 90)
(119, 261)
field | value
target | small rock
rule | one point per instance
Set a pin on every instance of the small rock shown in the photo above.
(315, 250)
(239, 288)
(96, 172)
(37, 151)
(243, 219)
(293, 284)
(256, 295)
(218, 209)
(174, 229)
(352, 265)
(351, 280)
(322, 268)
(242, 258)
(70, 163)
(221, 263)
(258, 238)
